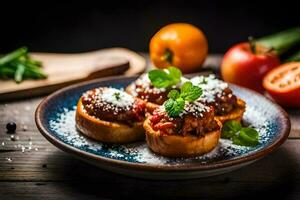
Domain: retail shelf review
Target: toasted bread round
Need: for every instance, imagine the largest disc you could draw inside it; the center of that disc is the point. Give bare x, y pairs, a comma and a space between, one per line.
236, 114
181, 146
104, 131
150, 107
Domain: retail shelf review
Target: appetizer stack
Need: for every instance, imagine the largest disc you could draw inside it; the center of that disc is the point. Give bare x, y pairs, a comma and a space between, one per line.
178, 116
110, 115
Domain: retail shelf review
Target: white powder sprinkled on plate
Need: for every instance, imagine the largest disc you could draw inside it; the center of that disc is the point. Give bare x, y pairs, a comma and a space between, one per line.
64, 128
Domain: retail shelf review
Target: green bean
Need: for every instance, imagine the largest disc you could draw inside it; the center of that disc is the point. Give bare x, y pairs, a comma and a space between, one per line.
13, 55
18, 65
6, 72
36, 72
19, 73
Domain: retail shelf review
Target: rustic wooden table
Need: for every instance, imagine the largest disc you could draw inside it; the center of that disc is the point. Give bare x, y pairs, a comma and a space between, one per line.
32, 168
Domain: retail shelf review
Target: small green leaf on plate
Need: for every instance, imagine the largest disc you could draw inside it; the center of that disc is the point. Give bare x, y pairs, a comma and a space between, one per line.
230, 128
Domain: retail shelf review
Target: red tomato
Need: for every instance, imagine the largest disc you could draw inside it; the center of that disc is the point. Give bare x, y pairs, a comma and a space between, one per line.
243, 67
283, 84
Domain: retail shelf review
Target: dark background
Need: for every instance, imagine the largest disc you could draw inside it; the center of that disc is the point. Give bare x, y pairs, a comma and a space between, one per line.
53, 26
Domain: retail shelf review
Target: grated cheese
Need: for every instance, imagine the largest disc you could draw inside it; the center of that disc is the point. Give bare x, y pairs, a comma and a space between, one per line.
110, 99
196, 108
211, 87
146, 86
123, 100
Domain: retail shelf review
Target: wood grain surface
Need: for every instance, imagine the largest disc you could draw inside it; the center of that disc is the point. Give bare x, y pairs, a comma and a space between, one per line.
65, 69
45, 172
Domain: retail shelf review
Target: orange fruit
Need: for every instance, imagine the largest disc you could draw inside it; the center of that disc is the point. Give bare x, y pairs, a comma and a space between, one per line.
181, 45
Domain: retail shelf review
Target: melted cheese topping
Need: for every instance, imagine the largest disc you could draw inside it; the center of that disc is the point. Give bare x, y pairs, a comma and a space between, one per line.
211, 87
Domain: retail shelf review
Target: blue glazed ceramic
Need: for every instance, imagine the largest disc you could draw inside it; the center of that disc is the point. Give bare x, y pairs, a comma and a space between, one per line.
55, 118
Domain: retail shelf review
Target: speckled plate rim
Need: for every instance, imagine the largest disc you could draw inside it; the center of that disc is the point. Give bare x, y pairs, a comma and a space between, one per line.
283, 135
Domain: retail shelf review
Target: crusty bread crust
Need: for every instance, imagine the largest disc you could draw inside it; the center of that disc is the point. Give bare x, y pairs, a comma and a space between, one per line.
104, 131
181, 146
130, 89
150, 107
236, 114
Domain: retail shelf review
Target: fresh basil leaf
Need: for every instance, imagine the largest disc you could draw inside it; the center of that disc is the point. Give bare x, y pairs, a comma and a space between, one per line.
159, 78
236, 140
189, 92
249, 136
173, 94
163, 79
175, 73
169, 104
230, 129
174, 107
239, 141
244, 136
186, 87
194, 94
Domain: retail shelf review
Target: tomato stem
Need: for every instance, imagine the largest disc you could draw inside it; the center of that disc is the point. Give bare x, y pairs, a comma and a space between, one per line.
252, 44
269, 50
168, 56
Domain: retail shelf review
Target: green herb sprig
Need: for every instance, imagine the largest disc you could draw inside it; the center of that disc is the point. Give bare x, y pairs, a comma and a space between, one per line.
117, 95
18, 65
243, 136
175, 104
164, 79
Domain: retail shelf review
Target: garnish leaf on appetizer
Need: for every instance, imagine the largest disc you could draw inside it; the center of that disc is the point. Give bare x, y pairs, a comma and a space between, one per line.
189, 92
243, 136
117, 95
174, 107
175, 104
173, 94
164, 79
175, 73
18, 65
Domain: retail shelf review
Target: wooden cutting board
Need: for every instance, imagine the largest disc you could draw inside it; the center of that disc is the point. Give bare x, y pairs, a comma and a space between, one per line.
65, 69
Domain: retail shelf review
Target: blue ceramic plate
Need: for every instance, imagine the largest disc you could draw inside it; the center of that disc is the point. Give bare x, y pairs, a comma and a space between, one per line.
55, 118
